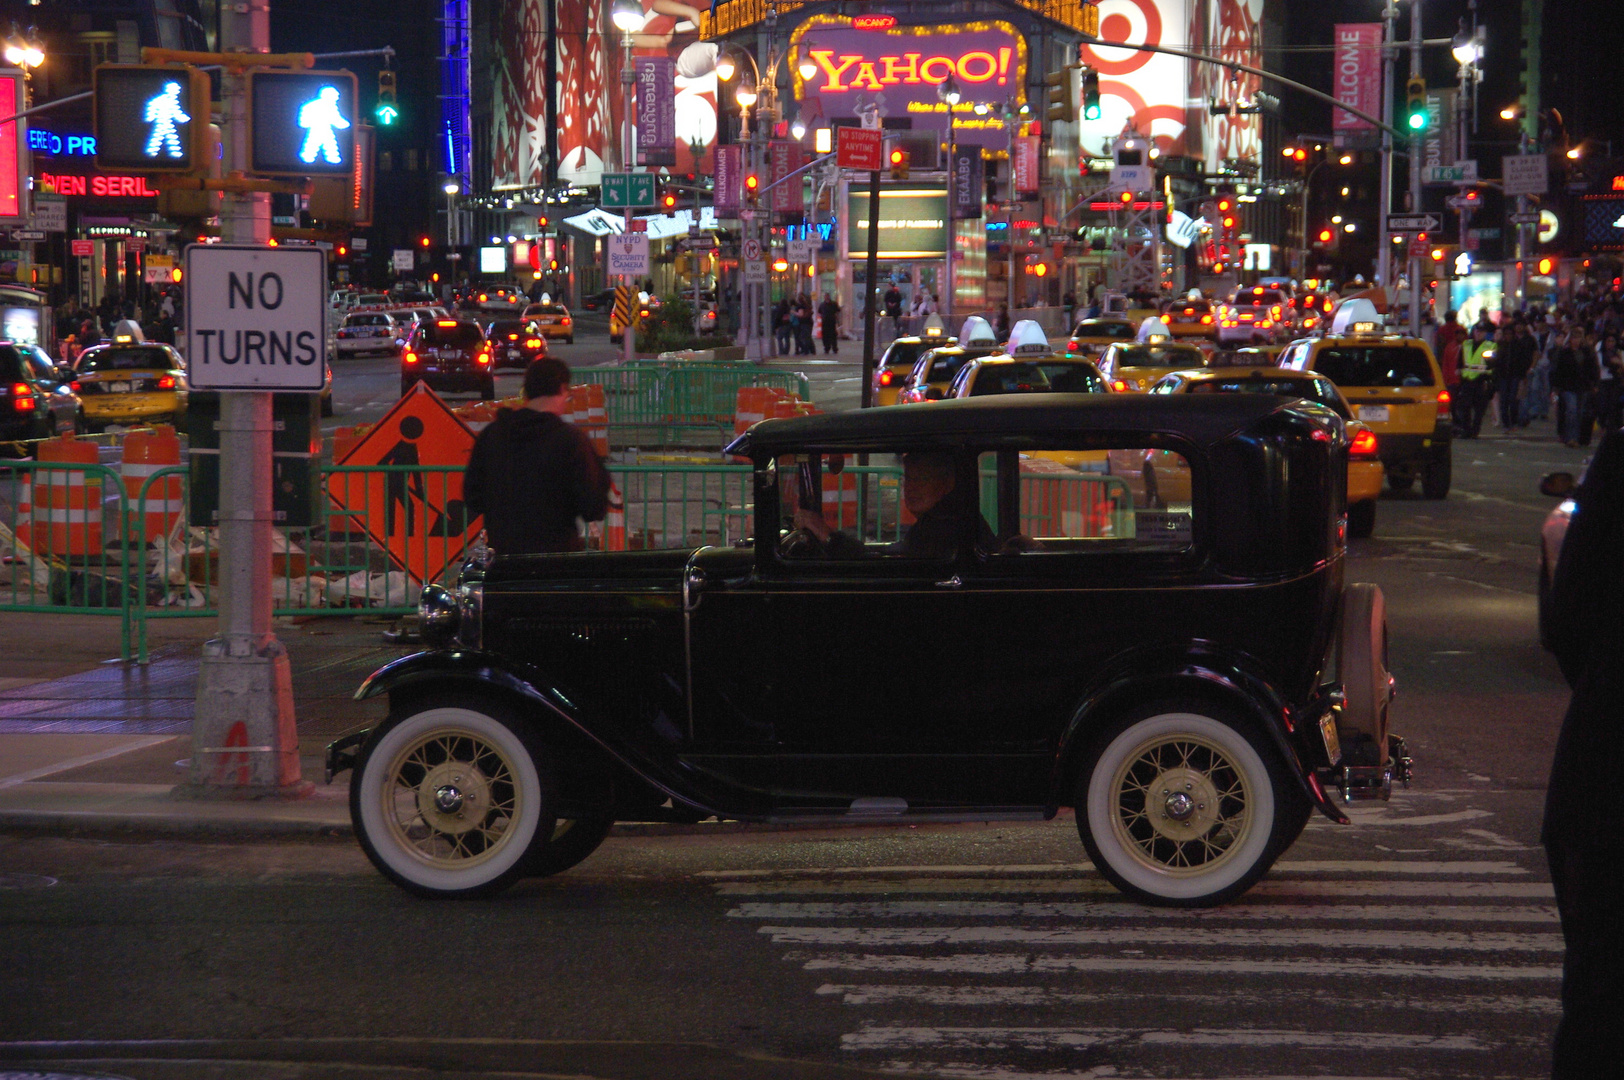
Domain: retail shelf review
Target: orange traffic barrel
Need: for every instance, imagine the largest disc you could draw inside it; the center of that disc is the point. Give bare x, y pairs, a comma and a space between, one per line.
614, 525
146, 452
597, 418
63, 515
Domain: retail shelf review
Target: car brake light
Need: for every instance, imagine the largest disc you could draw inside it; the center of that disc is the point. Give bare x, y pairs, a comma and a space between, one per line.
885, 378
1206, 319
166, 382
1275, 311
445, 322
566, 319
1443, 402
483, 358
411, 357
1364, 444
1119, 386
22, 397
532, 343
76, 386
513, 337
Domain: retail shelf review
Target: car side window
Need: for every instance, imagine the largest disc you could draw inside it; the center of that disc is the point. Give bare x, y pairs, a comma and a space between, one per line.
910, 507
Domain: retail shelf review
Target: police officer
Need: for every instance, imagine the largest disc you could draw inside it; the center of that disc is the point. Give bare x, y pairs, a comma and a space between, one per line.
1476, 386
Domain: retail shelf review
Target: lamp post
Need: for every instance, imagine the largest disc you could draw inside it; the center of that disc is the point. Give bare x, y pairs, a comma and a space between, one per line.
1011, 116
627, 15
1467, 48
948, 92
452, 188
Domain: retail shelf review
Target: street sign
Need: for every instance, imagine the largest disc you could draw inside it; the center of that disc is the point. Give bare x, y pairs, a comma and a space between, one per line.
1134, 178
82, 248
50, 213
627, 190
27, 236
1462, 201
860, 148
401, 260
159, 269
301, 123
419, 519
1414, 222
1526, 217
1525, 174
256, 317
1419, 248
755, 272
751, 250
1462, 172
628, 254
803, 251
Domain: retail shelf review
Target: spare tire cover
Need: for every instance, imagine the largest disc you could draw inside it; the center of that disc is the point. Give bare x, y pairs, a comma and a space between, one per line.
1362, 664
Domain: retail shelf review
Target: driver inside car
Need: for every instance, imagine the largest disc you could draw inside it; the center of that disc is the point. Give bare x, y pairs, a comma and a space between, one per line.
938, 503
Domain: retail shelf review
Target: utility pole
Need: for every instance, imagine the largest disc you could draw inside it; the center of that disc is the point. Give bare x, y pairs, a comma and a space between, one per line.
244, 741
628, 78
1384, 248
1415, 172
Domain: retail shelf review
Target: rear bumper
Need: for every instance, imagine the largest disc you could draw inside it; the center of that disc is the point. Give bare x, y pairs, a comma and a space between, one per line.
1365, 480
1406, 454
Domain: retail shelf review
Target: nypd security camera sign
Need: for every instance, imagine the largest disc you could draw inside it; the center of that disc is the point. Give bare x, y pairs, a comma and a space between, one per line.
255, 317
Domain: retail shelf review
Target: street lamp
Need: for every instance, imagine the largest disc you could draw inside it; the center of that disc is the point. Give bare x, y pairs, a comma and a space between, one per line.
949, 93
628, 18
24, 52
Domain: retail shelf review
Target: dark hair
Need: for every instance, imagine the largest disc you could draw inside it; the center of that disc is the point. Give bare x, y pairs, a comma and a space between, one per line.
545, 376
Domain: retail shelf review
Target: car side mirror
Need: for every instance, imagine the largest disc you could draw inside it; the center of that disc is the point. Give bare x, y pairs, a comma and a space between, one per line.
1558, 485
934, 394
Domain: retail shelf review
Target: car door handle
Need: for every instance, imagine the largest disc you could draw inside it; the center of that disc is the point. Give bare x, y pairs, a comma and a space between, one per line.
954, 582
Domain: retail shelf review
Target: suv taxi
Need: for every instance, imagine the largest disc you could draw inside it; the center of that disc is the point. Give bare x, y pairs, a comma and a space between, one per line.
1205, 679
1394, 385
1191, 318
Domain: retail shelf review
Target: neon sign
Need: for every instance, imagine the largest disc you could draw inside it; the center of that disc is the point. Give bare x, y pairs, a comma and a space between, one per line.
1618, 183
909, 69
107, 187
45, 141
873, 22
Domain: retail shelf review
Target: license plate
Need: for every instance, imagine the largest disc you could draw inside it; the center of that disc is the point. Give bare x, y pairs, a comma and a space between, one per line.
1373, 414
118, 388
514, 354
1333, 746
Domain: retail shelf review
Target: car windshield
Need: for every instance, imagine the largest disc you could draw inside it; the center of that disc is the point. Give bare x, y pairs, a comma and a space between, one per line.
137, 358
1067, 378
902, 352
1319, 390
944, 365
366, 320
465, 334
1092, 329
1160, 356
1374, 365
1021, 377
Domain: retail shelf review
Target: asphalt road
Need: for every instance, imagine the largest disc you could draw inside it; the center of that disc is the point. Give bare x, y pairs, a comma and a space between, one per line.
1419, 942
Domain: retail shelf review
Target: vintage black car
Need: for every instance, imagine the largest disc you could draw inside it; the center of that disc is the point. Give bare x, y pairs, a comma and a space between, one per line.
982, 633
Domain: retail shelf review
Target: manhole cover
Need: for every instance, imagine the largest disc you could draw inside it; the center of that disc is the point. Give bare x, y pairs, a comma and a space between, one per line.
24, 881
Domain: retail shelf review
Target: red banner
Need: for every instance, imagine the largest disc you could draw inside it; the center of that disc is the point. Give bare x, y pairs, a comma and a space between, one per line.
783, 158
729, 179
1025, 165
1357, 74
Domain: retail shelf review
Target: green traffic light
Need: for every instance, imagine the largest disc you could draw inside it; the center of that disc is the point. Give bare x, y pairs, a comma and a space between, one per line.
386, 114
1091, 112
1418, 121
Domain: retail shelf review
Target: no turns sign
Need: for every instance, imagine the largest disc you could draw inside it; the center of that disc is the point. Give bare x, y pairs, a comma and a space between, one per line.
255, 317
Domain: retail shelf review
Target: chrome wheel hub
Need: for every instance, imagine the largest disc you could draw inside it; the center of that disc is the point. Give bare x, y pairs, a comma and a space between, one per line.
453, 797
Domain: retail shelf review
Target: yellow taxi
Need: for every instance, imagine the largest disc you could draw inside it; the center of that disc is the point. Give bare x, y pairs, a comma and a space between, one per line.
1133, 367
1365, 470
933, 373
1394, 385
1092, 336
1192, 318
129, 382
553, 320
901, 355
1029, 366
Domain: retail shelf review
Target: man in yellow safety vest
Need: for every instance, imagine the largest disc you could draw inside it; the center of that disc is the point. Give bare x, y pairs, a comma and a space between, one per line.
1476, 388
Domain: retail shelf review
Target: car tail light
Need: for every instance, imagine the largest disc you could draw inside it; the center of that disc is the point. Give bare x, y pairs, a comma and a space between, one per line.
483, 358
566, 319
166, 382
532, 343
411, 357
1119, 386
76, 386
1443, 402
1275, 311
1364, 444
22, 397
1206, 320
885, 378
513, 337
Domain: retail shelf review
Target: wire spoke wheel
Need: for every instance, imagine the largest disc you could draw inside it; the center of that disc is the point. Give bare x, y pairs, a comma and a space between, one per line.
453, 797
1181, 804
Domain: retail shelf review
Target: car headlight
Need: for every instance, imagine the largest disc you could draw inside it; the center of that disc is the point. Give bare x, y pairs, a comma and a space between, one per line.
439, 615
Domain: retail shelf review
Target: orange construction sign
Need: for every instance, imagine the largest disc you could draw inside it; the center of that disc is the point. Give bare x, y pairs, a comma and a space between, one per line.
416, 514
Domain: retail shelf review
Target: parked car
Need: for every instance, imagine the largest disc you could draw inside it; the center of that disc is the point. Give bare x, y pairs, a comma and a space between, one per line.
35, 402
370, 332
139, 382
1203, 681
451, 355
515, 342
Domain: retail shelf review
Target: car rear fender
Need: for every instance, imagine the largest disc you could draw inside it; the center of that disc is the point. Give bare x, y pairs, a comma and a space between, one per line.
473, 674
1142, 677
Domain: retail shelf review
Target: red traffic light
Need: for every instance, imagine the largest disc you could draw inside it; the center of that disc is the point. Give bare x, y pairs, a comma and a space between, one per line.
1325, 236
1126, 197
898, 156
1229, 223
423, 241
669, 200
1225, 204
752, 183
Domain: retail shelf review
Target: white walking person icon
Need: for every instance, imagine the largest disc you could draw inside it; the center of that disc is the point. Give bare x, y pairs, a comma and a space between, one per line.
163, 113
320, 117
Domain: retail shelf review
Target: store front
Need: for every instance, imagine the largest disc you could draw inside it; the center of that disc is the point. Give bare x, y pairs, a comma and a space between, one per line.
112, 226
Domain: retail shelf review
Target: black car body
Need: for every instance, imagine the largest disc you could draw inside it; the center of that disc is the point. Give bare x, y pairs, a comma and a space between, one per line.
451, 355
515, 342
34, 401
1162, 667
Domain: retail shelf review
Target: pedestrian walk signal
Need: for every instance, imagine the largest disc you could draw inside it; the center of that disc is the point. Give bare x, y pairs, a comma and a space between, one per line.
301, 123
151, 118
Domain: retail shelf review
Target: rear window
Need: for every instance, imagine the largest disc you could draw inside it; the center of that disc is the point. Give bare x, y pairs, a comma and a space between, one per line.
1073, 378
1374, 365
11, 364
1017, 378
1258, 297
1193, 307
943, 366
464, 334
1159, 356
1318, 390
546, 309
1104, 330
902, 352
140, 358
508, 326
366, 320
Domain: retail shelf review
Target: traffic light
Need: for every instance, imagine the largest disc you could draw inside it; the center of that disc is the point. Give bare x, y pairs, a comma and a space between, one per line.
1326, 236
668, 201
1415, 105
1091, 94
151, 119
752, 187
1062, 104
899, 164
386, 111
423, 241
542, 221
301, 123
1546, 265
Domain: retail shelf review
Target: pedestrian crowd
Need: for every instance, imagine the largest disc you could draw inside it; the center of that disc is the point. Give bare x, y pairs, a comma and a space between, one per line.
1565, 358
798, 324
79, 326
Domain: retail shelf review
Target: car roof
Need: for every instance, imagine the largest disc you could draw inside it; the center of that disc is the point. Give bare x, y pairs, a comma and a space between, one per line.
1202, 418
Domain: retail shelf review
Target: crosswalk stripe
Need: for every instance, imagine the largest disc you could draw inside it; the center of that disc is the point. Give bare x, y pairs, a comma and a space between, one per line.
965, 1070
1285, 866
1180, 937
903, 1038
1008, 909
1028, 963
1505, 890
1242, 998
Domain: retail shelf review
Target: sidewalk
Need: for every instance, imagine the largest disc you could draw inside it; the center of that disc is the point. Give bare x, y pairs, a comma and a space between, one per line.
92, 744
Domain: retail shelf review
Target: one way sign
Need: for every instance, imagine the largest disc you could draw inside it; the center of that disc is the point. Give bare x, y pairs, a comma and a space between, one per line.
256, 317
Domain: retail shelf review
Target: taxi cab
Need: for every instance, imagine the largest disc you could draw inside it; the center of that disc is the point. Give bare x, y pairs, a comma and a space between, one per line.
902, 354
1092, 336
131, 381
553, 320
1135, 366
1191, 318
1394, 385
1027, 366
1365, 470
933, 373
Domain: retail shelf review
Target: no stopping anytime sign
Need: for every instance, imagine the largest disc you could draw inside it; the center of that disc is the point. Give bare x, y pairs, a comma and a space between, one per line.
255, 317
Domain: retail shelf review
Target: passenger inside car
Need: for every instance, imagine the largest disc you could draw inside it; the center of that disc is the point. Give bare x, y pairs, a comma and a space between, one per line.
932, 494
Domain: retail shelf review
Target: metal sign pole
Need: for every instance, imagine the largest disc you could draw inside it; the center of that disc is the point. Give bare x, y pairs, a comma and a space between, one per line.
243, 737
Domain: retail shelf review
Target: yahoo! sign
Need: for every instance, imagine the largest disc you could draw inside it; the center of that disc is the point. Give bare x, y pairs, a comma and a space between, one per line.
904, 66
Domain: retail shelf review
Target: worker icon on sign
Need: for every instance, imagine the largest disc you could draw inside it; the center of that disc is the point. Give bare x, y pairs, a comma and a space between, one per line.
164, 113
320, 117
401, 486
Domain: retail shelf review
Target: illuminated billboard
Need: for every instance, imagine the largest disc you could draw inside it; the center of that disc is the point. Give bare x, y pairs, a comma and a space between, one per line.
912, 225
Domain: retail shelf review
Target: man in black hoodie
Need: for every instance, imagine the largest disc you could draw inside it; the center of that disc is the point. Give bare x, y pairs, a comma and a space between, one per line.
532, 474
